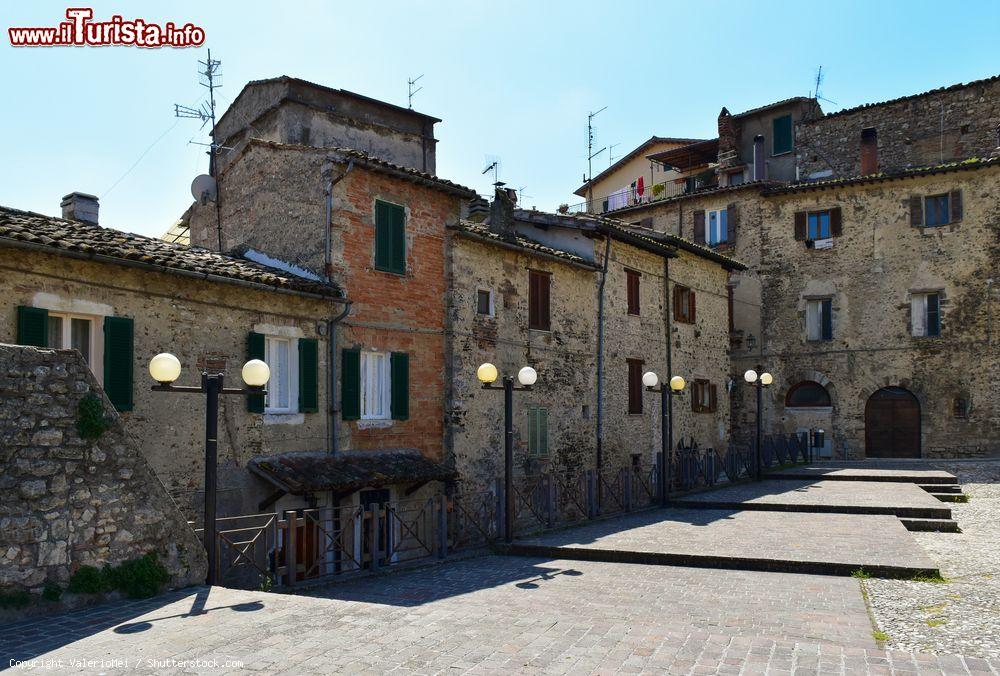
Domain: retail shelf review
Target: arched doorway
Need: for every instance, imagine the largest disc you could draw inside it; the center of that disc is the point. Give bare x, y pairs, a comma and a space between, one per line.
892, 424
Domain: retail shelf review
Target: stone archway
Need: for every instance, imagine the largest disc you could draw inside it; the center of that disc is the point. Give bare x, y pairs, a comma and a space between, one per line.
892, 424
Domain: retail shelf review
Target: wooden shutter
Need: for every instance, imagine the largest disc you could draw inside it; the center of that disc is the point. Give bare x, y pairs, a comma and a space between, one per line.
32, 326
696, 395
801, 218
916, 211
826, 314
782, 130
543, 431
119, 359
691, 307
713, 397
836, 225
678, 313
699, 226
632, 291
350, 384
256, 350
400, 368
390, 237
308, 375
933, 314
538, 300
731, 218
634, 385
956, 205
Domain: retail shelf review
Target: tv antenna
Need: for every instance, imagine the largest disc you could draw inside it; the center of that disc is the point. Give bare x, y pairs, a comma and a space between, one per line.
819, 81
521, 195
590, 143
412, 92
211, 79
611, 157
493, 164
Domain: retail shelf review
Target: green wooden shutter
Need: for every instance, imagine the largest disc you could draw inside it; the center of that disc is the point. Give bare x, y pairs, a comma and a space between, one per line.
390, 237
782, 139
308, 375
543, 431
532, 430
400, 404
350, 384
119, 360
32, 326
255, 350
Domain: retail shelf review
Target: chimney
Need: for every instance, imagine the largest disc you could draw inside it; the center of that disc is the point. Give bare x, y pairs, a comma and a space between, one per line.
728, 140
477, 209
79, 206
502, 213
869, 151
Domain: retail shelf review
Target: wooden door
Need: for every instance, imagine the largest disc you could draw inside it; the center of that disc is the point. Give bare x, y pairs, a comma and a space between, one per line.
892, 424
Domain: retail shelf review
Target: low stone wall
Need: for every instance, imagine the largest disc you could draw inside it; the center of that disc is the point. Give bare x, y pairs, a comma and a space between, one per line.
67, 501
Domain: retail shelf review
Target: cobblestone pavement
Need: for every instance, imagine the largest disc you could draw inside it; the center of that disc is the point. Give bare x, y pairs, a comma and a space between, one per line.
962, 615
491, 615
855, 540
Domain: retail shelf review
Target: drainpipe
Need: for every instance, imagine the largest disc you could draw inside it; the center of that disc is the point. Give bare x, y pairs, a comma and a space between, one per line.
331, 325
667, 309
599, 460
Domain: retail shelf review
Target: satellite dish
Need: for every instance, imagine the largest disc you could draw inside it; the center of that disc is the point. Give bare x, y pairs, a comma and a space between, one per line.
204, 189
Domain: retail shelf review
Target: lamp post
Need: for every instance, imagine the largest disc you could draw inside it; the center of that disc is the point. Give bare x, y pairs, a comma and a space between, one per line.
165, 368
487, 374
667, 393
758, 382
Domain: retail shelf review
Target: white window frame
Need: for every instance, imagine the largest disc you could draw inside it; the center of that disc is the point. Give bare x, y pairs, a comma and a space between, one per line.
918, 314
376, 385
492, 311
95, 360
270, 343
721, 221
814, 319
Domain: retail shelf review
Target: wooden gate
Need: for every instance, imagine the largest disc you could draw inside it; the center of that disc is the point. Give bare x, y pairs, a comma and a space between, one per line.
892, 424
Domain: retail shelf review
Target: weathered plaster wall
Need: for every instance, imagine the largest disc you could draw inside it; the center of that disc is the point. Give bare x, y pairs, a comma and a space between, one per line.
67, 501
192, 319
924, 130
869, 273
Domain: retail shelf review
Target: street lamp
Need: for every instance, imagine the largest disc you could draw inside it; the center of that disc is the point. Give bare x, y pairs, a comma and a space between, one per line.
758, 382
667, 394
487, 374
165, 368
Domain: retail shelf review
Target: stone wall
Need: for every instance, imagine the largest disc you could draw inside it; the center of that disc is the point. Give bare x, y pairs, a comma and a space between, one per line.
925, 129
870, 273
195, 320
67, 501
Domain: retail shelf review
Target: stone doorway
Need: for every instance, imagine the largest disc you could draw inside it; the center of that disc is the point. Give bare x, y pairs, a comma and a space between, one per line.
892, 424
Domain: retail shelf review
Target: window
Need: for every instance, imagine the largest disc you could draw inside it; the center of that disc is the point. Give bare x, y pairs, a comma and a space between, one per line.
736, 178
484, 302
807, 394
782, 140
390, 237
279, 387
634, 386
704, 397
718, 227
538, 300
936, 210
632, 291
72, 331
925, 314
684, 310
813, 226
819, 225
819, 319
375, 386
960, 407
538, 431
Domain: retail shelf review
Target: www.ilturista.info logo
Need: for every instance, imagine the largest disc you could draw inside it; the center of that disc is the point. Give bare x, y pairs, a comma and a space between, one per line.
81, 31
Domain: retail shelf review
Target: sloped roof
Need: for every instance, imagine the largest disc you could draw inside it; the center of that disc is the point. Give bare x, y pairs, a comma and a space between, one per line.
776, 104
481, 231
909, 97
641, 148
106, 245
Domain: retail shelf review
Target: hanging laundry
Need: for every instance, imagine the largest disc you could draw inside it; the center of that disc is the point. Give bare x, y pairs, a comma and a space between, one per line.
640, 187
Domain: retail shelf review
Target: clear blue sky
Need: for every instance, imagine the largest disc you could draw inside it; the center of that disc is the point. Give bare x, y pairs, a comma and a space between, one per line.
513, 79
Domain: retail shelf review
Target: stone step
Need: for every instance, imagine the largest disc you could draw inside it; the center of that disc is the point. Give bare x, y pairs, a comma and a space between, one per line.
941, 488
931, 525
918, 512
950, 497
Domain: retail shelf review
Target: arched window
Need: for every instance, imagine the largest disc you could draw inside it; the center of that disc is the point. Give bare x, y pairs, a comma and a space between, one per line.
807, 394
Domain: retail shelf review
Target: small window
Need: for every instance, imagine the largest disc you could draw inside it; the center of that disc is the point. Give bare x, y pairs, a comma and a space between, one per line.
782, 138
71, 331
684, 305
807, 394
632, 291
375, 386
634, 386
390, 237
925, 315
819, 225
538, 300
279, 386
819, 319
960, 407
484, 302
718, 227
937, 210
538, 431
703, 396
736, 178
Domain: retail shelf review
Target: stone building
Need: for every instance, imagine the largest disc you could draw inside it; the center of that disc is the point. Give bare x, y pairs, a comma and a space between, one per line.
119, 299
584, 301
